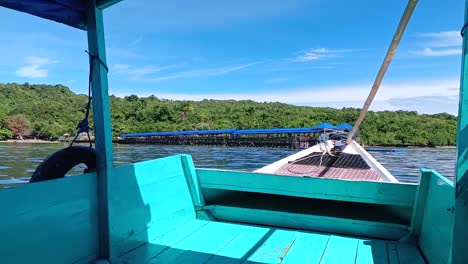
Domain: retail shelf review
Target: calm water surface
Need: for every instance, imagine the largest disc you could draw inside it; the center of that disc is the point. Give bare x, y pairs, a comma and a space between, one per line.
18, 161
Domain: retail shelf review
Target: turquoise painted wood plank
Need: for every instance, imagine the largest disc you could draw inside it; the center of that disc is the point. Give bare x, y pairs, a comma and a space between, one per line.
204, 215
340, 250
307, 248
371, 252
157, 246
420, 202
102, 121
392, 253
436, 236
50, 222
409, 254
239, 248
275, 248
308, 222
460, 230
150, 198
332, 189
192, 180
201, 245
204, 248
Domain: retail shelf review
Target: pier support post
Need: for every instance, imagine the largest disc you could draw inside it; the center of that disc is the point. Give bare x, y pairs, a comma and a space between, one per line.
102, 121
460, 232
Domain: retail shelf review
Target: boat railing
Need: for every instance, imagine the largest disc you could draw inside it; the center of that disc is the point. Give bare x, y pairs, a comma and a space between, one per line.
149, 198
433, 216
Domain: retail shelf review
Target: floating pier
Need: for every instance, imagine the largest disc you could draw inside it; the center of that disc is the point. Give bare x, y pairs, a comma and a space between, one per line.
272, 138
384, 150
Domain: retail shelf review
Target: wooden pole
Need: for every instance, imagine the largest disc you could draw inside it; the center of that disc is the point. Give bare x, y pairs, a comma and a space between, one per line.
383, 68
460, 229
102, 121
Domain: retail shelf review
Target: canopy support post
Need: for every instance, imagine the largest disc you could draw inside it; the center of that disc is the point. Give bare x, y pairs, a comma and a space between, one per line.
460, 229
102, 121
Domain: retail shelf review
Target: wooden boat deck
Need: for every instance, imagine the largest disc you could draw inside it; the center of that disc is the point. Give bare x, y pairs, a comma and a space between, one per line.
345, 167
200, 241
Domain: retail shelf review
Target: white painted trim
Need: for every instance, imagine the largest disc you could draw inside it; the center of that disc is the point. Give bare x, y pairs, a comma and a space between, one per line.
271, 168
355, 148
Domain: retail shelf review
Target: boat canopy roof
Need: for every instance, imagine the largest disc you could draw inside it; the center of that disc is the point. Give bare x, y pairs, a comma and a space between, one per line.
314, 129
68, 12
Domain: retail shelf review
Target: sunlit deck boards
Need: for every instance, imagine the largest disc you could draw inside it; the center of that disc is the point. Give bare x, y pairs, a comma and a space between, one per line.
345, 167
201, 241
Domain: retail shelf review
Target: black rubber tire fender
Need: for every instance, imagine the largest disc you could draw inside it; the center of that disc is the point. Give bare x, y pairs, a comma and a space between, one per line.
62, 161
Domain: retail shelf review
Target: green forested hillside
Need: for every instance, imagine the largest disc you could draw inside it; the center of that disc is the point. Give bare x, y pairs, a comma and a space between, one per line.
55, 110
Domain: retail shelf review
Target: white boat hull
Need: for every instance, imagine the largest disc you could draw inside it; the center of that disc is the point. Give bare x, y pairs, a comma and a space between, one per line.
353, 148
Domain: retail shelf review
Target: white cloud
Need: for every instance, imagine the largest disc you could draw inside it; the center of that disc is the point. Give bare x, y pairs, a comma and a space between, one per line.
392, 96
428, 104
136, 41
34, 67
150, 73
276, 80
120, 67
32, 71
443, 38
322, 53
429, 52
146, 70
438, 44
136, 73
202, 72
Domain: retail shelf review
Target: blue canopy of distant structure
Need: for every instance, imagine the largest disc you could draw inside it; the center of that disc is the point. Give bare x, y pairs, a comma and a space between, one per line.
274, 131
323, 126
181, 133
344, 126
314, 129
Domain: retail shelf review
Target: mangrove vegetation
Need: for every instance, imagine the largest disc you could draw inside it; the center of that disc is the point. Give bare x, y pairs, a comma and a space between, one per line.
50, 111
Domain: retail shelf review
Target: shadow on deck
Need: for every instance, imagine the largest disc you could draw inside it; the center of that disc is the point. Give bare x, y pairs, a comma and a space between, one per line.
202, 241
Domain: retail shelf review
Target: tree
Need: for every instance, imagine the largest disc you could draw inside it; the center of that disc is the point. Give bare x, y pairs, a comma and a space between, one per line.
5, 134
54, 110
19, 125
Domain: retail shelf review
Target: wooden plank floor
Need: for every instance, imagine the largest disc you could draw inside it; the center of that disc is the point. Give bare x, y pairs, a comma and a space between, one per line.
201, 241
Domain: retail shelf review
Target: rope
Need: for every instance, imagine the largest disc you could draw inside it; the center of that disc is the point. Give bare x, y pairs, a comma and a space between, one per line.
462, 31
83, 125
304, 158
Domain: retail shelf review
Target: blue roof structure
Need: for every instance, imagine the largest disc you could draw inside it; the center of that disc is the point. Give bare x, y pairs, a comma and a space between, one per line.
273, 131
314, 129
323, 126
344, 126
181, 133
68, 12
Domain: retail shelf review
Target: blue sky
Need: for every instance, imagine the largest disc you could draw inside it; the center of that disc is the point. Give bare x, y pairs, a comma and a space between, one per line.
303, 52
